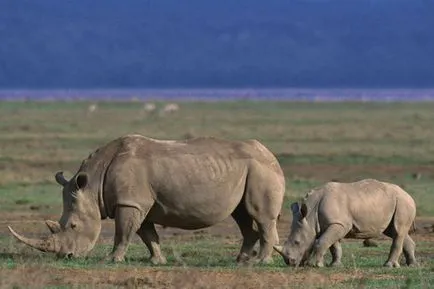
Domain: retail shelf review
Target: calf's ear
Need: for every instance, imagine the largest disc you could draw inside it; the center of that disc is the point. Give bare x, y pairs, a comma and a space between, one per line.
303, 210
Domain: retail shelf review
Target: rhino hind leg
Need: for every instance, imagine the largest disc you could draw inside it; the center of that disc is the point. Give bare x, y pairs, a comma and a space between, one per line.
149, 236
127, 222
408, 249
401, 243
250, 235
267, 239
395, 252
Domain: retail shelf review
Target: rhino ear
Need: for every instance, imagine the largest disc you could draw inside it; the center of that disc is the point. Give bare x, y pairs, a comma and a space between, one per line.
303, 210
60, 179
81, 180
295, 208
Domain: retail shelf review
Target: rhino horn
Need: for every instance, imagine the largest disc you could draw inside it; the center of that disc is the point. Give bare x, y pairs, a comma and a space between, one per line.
53, 226
47, 245
279, 249
60, 179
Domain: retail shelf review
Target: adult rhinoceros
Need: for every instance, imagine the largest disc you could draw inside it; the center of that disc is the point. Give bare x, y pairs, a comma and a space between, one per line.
188, 184
361, 210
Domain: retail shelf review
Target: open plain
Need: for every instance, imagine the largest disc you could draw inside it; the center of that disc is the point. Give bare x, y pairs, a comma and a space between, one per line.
315, 142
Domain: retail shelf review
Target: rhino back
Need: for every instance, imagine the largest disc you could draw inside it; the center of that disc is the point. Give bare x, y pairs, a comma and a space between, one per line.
367, 206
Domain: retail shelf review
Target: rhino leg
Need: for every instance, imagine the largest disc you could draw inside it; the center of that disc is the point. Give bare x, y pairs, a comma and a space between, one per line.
395, 251
332, 235
267, 239
250, 235
127, 222
400, 242
409, 247
370, 243
336, 251
149, 236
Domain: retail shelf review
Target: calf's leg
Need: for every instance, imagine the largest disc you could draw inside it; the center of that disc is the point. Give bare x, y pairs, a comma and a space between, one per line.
336, 251
397, 245
395, 251
409, 248
333, 234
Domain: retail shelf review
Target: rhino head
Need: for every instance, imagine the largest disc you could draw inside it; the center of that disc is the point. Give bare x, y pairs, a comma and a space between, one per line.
79, 227
297, 248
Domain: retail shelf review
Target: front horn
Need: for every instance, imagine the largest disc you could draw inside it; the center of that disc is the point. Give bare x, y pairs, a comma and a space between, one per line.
60, 179
47, 245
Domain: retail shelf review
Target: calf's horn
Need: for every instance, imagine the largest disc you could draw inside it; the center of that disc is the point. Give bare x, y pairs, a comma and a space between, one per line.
279, 249
47, 245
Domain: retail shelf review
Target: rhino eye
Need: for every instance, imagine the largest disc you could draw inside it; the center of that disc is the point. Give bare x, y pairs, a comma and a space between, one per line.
73, 226
296, 242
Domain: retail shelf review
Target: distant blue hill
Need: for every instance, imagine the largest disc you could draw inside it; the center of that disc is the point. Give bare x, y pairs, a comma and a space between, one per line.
204, 43
317, 95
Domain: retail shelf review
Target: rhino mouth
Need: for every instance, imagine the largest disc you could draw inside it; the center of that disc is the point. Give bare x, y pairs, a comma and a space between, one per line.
282, 252
293, 262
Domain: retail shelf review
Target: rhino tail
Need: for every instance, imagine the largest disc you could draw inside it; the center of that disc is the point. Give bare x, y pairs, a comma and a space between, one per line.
413, 228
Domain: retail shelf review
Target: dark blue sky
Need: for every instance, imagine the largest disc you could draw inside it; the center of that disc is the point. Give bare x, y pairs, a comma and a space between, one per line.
204, 43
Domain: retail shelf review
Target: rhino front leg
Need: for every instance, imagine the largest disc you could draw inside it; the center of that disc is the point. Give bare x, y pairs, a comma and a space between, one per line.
127, 222
333, 234
336, 251
149, 236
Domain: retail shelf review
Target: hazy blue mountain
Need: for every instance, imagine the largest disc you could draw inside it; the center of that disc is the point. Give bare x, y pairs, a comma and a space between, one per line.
219, 43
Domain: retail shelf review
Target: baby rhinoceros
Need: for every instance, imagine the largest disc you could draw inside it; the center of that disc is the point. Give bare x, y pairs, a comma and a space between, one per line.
360, 210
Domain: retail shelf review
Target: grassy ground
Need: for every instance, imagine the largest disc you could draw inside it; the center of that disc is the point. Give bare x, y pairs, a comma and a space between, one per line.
315, 142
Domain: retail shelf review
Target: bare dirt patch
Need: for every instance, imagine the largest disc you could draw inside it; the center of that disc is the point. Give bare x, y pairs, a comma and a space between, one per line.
171, 278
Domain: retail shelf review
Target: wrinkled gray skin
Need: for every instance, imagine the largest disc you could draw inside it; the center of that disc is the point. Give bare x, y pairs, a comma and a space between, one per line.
360, 210
188, 184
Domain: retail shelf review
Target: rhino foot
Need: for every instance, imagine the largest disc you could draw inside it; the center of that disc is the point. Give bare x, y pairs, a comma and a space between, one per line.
336, 264
245, 258
158, 260
413, 265
112, 259
391, 264
256, 260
